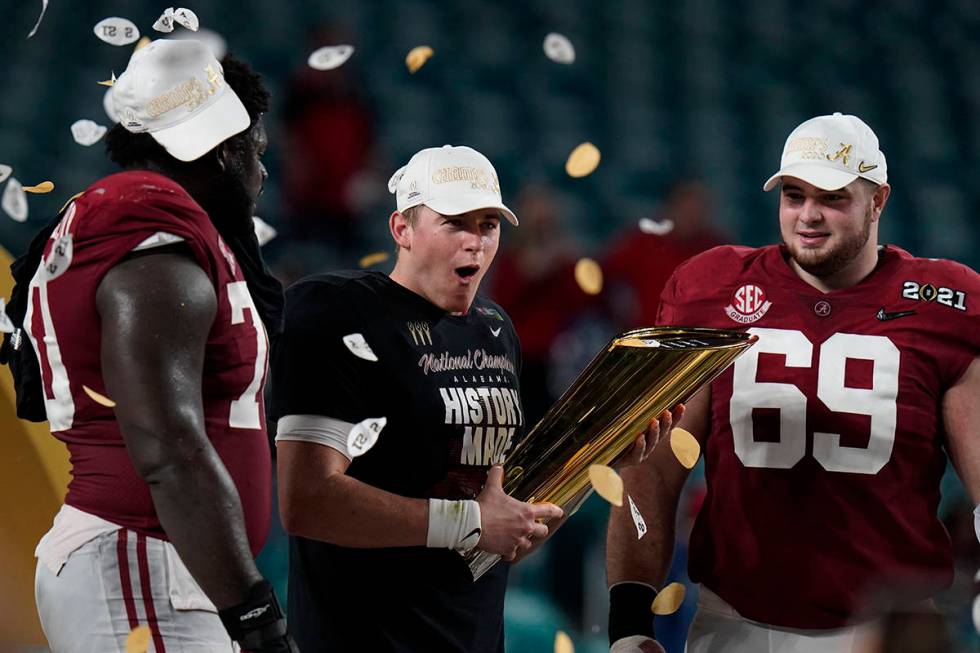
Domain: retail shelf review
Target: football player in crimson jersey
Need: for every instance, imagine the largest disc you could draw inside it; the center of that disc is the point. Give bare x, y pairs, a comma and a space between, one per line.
825, 443
143, 290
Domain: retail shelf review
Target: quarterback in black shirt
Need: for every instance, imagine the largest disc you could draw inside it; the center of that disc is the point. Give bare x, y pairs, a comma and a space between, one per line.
394, 396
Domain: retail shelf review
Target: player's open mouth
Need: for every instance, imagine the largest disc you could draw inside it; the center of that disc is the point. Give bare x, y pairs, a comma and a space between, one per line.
467, 272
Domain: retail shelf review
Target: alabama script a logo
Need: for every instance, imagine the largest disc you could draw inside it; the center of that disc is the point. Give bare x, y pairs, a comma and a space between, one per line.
749, 303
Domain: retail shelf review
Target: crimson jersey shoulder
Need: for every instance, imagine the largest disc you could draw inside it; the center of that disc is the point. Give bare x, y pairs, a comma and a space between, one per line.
941, 273
138, 201
703, 274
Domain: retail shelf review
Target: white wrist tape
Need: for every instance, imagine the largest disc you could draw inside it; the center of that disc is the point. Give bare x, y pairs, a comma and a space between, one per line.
453, 524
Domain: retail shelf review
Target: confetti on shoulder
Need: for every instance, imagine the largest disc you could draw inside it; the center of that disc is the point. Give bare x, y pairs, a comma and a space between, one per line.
98, 398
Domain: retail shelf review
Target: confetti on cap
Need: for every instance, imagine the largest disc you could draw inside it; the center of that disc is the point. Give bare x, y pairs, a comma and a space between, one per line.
165, 23
563, 643
117, 31
607, 483
44, 8
417, 57
264, 232
187, 19
641, 526
359, 347
142, 43
685, 447
40, 189
372, 259
6, 325
364, 435
330, 57
559, 49
656, 227
669, 599
138, 640
14, 202
5, 171
97, 398
583, 160
588, 275
87, 132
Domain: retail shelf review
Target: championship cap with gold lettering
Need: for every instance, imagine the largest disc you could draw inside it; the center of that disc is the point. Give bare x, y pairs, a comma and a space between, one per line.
830, 152
175, 90
449, 180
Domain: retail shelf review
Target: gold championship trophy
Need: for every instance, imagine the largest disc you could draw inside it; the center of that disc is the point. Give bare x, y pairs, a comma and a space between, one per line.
636, 377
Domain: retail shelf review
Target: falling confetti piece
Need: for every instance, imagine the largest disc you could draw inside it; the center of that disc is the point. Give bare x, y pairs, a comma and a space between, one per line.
685, 447
187, 19
87, 132
6, 325
138, 640
563, 643
669, 599
142, 43
364, 435
655, 227
588, 275
102, 400
40, 189
607, 483
583, 160
5, 172
14, 200
359, 347
116, 31
417, 57
109, 82
330, 57
264, 232
372, 259
44, 8
641, 526
559, 49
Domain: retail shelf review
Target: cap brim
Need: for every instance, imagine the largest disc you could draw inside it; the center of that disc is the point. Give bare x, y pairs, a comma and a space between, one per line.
823, 177
195, 137
450, 207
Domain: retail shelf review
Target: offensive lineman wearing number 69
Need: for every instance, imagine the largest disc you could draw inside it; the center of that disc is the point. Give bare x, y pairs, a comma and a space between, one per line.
826, 442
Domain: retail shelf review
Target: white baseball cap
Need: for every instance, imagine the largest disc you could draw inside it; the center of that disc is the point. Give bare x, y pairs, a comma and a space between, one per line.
449, 180
175, 90
830, 152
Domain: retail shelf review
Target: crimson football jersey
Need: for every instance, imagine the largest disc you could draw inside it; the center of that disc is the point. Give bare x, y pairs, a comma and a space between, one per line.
113, 217
825, 452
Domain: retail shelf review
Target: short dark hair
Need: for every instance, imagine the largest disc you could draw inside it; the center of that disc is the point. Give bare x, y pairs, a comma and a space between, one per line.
131, 150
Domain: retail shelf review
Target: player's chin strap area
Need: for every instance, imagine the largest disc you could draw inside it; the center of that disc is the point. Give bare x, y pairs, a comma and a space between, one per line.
453, 525
630, 618
258, 624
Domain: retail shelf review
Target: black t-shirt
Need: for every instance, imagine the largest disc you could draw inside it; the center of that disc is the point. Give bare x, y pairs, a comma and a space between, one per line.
448, 387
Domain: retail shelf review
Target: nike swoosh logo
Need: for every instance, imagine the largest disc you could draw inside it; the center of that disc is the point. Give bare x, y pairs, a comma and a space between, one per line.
495, 332
475, 531
884, 317
863, 168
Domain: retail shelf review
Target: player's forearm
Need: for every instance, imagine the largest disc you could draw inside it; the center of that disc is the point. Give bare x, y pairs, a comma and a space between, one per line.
345, 511
200, 511
647, 559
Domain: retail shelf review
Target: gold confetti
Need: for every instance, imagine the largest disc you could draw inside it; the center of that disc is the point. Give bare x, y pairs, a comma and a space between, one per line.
563, 643
138, 640
417, 57
669, 599
43, 187
372, 259
685, 447
588, 275
142, 43
70, 200
97, 398
109, 82
607, 483
583, 160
